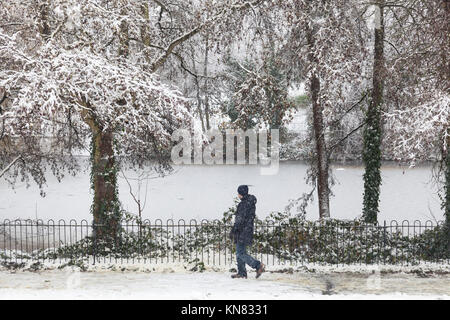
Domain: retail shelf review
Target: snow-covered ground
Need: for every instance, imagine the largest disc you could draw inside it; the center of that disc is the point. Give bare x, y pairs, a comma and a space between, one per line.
174, 283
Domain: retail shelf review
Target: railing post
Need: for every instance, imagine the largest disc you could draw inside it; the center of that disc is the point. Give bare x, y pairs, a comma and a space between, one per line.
384, 242
94, 234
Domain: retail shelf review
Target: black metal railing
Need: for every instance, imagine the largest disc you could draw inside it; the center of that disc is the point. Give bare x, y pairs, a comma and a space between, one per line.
207, 242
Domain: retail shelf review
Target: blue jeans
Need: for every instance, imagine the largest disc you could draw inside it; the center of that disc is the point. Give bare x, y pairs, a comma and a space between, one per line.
243, 258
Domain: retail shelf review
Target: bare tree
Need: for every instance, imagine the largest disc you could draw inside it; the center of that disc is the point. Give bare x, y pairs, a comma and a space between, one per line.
417, 90
328, 51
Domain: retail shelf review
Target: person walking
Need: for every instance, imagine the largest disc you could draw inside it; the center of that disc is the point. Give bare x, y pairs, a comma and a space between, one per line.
242, 233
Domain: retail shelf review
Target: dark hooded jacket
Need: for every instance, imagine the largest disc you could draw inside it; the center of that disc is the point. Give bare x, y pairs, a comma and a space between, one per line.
242, 230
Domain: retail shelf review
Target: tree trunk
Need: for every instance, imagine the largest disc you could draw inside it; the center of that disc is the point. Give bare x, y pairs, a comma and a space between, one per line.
447, 194
447, 154
105, 207
43, 25
372, 133
124, 40
197, 85
199, 105
145, 35
205, 73
145, 32
323, 191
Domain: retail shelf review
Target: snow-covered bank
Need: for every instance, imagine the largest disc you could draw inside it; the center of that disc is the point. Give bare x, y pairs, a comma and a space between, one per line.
214, 263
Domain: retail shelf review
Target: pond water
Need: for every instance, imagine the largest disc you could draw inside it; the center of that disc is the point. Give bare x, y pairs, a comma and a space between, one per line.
205, 192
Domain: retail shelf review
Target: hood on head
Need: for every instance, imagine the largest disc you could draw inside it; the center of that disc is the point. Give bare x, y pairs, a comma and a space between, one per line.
250, 198
243, 190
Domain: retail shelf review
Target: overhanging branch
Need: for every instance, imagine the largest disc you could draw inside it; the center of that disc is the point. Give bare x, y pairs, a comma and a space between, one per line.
169, 49
330, 150
10, 165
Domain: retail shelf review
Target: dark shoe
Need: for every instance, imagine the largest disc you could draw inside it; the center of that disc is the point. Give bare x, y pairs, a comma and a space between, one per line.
260, 270
238, 276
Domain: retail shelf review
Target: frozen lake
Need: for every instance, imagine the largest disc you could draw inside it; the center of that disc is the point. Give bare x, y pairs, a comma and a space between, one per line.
205, 192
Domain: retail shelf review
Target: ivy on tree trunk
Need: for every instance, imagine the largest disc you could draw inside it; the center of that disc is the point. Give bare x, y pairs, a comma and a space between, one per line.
106, 205
372, 133
447, 197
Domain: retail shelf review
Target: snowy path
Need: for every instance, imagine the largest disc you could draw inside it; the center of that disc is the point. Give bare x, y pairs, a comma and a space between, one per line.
64, 284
